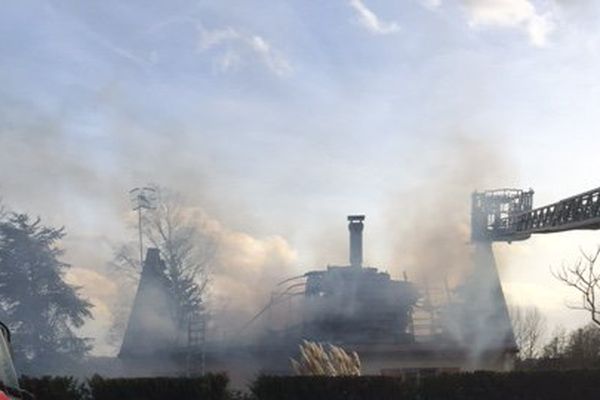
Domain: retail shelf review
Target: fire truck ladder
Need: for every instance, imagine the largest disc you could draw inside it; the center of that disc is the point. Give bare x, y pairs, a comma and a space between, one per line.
507, 215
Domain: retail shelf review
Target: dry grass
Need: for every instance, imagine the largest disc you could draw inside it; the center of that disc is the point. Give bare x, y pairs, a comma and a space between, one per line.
316, 360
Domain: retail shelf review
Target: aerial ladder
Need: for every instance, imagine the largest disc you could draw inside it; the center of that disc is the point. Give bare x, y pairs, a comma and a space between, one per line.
507, 215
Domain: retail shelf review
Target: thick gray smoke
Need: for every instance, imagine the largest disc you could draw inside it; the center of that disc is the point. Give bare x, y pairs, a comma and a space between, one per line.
241, 270
432, 242
429, 221
46, 170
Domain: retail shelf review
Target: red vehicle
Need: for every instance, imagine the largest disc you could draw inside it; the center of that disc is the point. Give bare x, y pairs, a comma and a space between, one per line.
9, 382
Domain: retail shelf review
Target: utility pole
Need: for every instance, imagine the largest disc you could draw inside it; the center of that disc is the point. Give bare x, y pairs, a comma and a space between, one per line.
142, 199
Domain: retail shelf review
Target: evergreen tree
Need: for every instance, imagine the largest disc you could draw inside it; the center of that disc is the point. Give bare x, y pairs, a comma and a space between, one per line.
40, 307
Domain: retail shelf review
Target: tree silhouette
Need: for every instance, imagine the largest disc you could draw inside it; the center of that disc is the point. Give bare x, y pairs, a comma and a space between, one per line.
35, 301
529, 327
584, 277
188, 247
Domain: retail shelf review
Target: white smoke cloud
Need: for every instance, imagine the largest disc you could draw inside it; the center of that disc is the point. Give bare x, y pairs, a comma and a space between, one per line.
243, 272
370, 21
101, 291
430, 233
248, 268
246, 271
431, 220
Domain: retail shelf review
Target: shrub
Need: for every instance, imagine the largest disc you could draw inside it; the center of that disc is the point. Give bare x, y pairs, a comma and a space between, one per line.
55, 388
330, 388
545, 385
209, 387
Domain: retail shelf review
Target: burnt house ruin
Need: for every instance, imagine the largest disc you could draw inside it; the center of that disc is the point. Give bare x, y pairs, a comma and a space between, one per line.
392, 324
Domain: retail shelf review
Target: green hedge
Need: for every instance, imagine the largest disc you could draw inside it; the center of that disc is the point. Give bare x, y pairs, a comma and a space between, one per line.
547, 385
543, 385
209, 387
331, 388
55, 388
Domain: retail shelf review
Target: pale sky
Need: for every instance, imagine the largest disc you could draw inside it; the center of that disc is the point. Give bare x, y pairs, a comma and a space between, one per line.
280, 118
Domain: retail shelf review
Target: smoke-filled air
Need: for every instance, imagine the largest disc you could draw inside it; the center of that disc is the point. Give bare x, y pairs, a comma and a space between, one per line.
225, 195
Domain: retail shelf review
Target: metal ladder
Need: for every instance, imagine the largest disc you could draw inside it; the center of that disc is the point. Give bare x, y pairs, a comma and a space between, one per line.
196, 342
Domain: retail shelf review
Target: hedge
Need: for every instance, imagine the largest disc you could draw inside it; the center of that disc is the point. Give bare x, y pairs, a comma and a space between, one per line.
331, 388
540, 385
209, 387
55, 388
547, 385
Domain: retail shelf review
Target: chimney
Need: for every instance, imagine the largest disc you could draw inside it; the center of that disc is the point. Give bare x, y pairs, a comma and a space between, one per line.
356, 227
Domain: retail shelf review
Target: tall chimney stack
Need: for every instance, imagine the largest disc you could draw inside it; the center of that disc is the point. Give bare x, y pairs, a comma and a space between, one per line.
355, 227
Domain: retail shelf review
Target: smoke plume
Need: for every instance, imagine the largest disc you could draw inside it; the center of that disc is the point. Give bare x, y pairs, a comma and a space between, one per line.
458, 279
430, 224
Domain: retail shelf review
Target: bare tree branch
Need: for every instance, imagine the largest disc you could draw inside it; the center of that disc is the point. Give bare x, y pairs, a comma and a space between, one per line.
187, 246
529, 327
126, 262
584, 277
